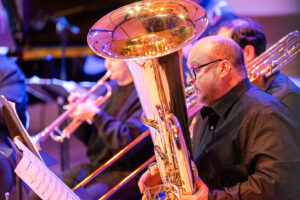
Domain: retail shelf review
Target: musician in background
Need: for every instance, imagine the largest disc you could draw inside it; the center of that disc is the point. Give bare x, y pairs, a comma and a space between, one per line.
12, 86
251, 38
112, 126
244, 141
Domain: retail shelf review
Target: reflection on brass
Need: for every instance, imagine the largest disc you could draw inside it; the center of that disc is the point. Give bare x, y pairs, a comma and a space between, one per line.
149, 122
147, 29
275, 57
153, 43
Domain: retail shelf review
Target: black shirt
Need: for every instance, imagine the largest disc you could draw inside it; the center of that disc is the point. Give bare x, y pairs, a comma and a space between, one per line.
115, 126
282, 88
248, 149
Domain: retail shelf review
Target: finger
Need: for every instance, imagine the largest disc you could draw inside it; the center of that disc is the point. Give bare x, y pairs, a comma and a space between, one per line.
154, 170
74, 97
89, 121
203, 190
198, 182
75, 115
187, 197
144, 197
141, 182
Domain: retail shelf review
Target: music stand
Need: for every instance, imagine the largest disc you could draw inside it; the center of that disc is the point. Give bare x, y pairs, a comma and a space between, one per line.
15, 126
17, 130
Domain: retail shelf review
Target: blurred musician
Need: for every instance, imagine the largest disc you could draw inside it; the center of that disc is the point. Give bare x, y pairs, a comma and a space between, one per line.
112, 126
243, 143
251, 38
12, 86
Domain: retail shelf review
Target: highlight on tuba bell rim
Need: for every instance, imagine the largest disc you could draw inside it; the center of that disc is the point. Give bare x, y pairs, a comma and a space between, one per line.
149, 36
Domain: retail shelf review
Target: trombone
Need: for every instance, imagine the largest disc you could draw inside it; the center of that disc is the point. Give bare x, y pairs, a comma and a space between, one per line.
275, 57
53, 129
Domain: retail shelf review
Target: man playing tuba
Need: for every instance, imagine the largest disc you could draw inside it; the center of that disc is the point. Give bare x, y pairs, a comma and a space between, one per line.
243, 143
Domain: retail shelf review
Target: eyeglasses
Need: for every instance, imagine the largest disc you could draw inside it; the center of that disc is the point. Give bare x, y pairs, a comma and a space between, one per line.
192, 72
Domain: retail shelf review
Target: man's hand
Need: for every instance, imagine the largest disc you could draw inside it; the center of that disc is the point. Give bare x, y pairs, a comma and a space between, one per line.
201, 194
261, 82
152, 178
149, 178
73, 97
84, 111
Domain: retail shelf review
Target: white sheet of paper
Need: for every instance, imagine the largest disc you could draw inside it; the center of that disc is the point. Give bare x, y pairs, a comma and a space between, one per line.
40, 179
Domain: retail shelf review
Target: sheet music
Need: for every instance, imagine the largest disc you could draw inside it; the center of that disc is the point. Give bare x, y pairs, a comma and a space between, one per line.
40, 179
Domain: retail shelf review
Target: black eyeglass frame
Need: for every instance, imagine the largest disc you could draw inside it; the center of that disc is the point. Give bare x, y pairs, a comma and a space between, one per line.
192, 72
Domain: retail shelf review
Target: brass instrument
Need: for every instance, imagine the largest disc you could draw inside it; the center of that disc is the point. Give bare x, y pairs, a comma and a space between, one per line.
149, 35
275, 57
53, 129
191, 96
192, 104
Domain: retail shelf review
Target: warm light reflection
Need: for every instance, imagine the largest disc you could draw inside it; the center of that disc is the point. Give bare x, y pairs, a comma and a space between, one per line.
130, 11
153, 43
161, 15
137, 8
181, 16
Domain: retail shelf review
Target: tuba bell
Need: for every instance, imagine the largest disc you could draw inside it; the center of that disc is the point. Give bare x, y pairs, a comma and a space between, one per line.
149, 36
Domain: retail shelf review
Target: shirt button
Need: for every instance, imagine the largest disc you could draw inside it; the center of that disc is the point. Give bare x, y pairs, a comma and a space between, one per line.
206, 150
211, 127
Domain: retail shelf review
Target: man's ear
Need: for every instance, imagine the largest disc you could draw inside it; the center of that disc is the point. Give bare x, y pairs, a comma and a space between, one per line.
249, 53
224, 68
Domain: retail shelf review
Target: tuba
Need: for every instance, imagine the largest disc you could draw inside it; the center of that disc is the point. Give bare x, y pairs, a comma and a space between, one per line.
149, 36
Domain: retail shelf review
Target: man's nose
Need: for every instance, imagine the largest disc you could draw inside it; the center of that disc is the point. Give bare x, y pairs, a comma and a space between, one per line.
189, 80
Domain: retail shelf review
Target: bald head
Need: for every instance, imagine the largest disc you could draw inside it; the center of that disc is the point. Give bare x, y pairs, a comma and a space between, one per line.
217, 47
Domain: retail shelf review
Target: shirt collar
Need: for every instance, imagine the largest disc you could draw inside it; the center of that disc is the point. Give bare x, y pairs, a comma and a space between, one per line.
207, 111
225, 102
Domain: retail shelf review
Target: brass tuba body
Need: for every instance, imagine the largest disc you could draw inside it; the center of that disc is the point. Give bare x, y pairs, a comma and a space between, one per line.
149, 36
